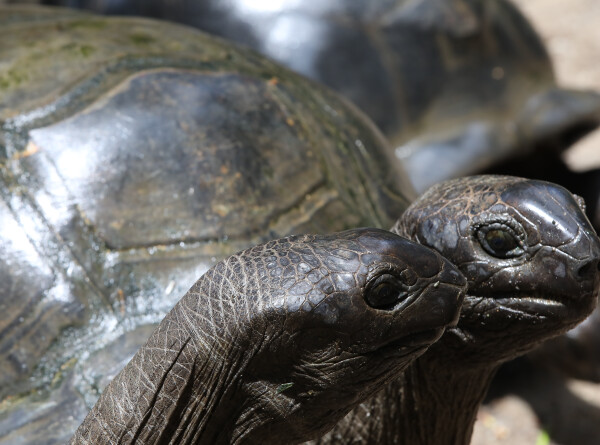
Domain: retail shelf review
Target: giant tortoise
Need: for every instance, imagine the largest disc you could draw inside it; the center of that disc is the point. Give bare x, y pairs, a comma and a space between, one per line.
531, 259
465, 85
459, 87
459, 84
276, 343
532, 263
135, 155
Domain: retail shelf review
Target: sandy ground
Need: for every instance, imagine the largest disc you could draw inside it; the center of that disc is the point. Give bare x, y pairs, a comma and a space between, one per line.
539, 407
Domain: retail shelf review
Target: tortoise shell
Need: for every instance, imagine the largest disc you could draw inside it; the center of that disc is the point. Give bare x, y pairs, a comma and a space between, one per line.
133, 155
458, 86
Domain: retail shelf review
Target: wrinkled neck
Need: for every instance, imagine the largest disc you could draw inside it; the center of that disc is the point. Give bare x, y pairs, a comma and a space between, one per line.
185, 384
178, 388
434, 402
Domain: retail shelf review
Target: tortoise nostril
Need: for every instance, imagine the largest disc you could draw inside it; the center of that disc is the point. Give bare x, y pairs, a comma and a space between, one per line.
589, 269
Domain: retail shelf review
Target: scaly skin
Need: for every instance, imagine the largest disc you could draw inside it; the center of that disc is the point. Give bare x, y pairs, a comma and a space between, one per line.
277, 343
544, 286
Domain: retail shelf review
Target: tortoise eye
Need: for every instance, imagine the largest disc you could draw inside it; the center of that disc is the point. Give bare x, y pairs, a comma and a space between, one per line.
386, 292
499, 241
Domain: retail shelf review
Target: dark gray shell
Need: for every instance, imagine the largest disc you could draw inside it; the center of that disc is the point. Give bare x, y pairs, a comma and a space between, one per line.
133, 155
456, 85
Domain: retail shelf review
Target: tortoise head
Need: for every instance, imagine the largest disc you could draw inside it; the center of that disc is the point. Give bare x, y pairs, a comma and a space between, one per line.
350, 310
282, 340
527, 249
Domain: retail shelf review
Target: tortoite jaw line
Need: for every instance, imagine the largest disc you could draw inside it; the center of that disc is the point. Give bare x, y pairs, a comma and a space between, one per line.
409, 344
530, 307
525, 304
532, 299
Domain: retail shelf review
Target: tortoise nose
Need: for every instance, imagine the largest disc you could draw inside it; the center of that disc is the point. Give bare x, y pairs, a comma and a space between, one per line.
589, 269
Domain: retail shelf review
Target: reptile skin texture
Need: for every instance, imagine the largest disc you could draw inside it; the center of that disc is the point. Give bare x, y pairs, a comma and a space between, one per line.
531, 260
277, 343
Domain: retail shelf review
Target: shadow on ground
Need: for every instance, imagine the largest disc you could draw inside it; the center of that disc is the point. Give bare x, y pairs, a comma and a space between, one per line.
568, 418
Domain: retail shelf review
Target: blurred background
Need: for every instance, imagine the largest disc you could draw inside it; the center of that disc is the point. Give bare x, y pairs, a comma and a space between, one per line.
572, 36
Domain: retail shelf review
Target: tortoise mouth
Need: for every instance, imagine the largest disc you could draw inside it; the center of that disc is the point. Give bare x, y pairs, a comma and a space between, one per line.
531, 304
410, 344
